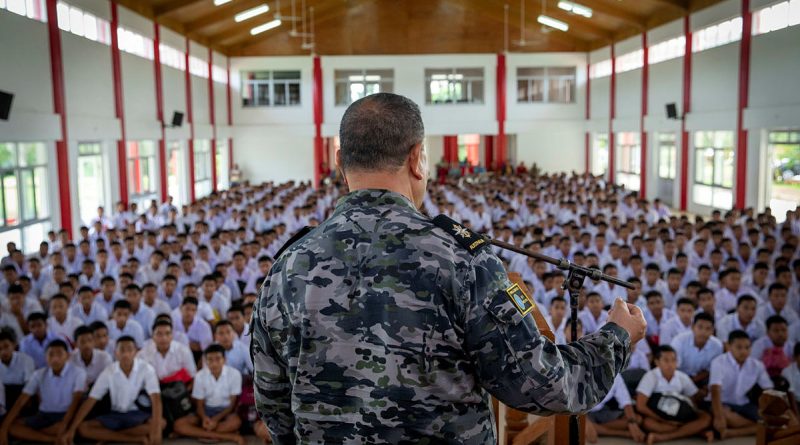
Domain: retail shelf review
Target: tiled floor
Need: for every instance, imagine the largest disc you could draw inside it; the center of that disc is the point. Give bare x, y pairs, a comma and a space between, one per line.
698, 441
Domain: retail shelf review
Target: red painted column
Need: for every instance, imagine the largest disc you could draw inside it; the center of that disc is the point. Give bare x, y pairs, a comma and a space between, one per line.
162, 143
317, 97
500, 152
687, 105
587, 142
643, 137
212, 120
744, 94
190, 122
612, 146
119, 105
488, 151
230, 119
60, 108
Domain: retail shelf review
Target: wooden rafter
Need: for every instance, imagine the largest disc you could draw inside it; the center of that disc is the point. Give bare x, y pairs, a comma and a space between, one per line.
682, 5
223, 13
173, 6
616, 13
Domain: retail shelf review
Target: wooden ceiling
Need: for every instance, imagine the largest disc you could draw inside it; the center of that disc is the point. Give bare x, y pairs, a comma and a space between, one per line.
360, 27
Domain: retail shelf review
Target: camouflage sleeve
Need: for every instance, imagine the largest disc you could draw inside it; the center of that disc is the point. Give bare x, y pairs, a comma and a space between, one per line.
522, 368
273, 392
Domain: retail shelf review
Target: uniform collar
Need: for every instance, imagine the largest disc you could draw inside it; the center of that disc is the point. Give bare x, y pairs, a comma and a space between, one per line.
374, 198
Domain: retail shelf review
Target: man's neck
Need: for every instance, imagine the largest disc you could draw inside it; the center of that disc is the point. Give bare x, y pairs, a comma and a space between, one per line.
87, 356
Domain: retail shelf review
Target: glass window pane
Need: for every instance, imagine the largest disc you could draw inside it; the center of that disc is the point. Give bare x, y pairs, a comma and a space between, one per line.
34, 234
28, 195
10, 198
40, 186
527, 72
8, 155
522, 90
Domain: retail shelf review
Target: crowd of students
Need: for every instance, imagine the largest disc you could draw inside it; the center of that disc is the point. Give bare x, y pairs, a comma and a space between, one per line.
114, 332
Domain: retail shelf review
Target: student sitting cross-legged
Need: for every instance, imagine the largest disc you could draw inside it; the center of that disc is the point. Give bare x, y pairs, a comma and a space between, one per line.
216, 391
663, 399
128, 422
60, 386
733, 376
604, 420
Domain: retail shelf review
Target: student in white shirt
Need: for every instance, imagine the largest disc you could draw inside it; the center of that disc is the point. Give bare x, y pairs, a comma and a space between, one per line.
16, 368
656, 315
733, 375
774, 350
87, 310
557, 319
102, 341
167, 356
85, 356
685, 309
61, 323
240, 326
187, 321
236, 355
621, 421
150, 299
122, 324
140, 312
697, 348
124, 380
593, 316
666, 378
777, 305
743, 319
216, 391
792, 373
60, 387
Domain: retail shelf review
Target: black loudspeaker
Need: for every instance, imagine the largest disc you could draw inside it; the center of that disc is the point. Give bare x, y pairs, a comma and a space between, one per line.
177, 119
5, 105
672, 111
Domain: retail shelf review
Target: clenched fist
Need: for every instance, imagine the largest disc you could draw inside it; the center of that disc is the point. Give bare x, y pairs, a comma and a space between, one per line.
628, 317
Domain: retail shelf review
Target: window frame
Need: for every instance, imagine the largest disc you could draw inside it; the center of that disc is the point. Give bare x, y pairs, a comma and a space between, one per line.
202, 167
17, 170
340, 78
454, 78
718, 154
668, 141
270, 83
631, 152
150, 193
546, 78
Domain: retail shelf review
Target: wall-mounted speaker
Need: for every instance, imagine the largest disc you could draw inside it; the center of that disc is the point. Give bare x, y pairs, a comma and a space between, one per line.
5, 105
672, 111
177, 119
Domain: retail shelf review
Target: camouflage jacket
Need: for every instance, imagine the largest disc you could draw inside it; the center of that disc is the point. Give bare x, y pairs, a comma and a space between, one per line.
379, 326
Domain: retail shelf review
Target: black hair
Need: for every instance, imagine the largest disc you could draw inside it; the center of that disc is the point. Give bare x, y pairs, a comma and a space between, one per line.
162, 322
190, 300
661, 350
40, 316
222, 323
97, 325
685, 300
775, 319
81, 330
57, 343
125, 338
703, 316
214, 348
122, 304
744, 299
653, 294
737, 334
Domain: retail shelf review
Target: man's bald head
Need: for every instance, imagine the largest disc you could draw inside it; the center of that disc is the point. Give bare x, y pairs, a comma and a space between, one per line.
378, 132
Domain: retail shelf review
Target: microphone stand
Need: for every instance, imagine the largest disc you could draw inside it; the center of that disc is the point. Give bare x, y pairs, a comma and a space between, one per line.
573, 284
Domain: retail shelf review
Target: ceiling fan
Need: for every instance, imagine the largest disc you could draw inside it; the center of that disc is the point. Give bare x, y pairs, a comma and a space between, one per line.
523, 41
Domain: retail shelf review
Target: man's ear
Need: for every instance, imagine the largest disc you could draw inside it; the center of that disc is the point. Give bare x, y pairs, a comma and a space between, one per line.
415, 162
338, 161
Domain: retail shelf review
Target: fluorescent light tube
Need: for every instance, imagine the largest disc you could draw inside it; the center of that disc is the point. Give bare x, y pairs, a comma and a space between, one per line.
265, 27
553, 23
250, 13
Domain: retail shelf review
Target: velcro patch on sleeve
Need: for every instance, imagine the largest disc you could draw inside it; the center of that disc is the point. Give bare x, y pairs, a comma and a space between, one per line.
521, 300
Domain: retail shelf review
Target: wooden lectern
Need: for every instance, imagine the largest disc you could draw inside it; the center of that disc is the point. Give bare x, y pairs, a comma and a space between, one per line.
518, 428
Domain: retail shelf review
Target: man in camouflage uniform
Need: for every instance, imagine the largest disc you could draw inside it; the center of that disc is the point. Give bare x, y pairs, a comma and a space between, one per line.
379, 326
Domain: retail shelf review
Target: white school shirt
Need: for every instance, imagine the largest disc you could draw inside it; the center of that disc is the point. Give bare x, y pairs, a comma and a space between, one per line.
65, 330
217, 393
100, 361
792, 375
18, 371
730, 323
56, 391
590, 324
764, 343
672, 328
653, 325
618, 391
692, 360
131, 328
96, 313
125, 389
735, 380
766, 310
178, 357
655, 382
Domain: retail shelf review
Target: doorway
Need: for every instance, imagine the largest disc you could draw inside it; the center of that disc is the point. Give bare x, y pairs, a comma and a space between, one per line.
783, 185
176, 183
91, 183
667, 165
600, 154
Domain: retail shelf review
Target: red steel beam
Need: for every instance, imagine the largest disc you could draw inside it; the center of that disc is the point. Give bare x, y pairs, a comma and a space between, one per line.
687, 105
744, 94
587, 142
612, 114
317, 100
190, 122
212, 120
60, 108
501, 146
119, 105
643, 134
230, 119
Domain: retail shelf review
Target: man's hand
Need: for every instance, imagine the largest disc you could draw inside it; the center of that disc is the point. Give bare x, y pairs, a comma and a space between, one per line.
628, 317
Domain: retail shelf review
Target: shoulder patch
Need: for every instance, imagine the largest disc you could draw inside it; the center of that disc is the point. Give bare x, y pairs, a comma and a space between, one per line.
521, 300
466, 238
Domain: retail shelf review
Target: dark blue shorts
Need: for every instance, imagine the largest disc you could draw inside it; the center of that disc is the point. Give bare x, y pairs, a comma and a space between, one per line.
116, 421
212, 411
748, 411
42, 420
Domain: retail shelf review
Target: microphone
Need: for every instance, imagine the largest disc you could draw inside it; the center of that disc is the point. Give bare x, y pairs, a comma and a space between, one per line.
463, 234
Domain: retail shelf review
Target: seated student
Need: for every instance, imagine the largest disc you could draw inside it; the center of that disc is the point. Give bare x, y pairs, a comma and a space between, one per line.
240, 326
150, 299
177, 336
556, 319
165, 355
213, 303
656, 315
61, 323
743, 319
187, 321
108, 294
733, 376
697, 348
14, 318
88, 310
776, 305
124, 379
85, 356
634, 296
593, 316
140, 312
121, 324
236, 355
706, 302
792, 373
665, 380
169, 291
59, 387
774, 349
101, 338
685, 308
216, 391
16, 368
35, 343
620, 421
